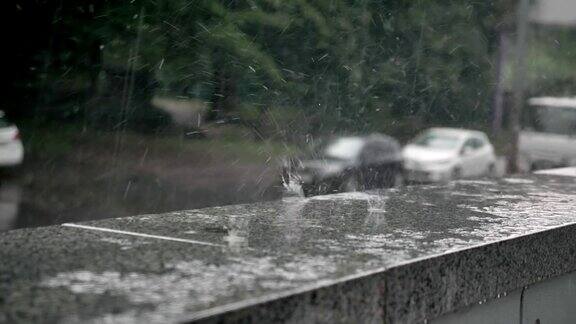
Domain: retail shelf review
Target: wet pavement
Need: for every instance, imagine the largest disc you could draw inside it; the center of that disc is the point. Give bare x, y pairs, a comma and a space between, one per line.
409, 254
27, 200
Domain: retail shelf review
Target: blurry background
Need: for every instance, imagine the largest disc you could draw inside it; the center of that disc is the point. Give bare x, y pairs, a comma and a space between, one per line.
130, 107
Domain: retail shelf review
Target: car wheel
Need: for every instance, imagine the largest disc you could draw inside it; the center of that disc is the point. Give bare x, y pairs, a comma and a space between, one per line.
351, 184
397, 180
391, 178
456, 173
308, 190
491, 170
524, 164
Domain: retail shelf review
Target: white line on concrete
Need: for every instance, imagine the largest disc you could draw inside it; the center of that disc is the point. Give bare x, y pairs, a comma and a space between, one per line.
159, 237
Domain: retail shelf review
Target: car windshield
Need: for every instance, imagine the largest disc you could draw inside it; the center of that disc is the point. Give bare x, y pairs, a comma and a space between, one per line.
438, 141
555, 120
346, 148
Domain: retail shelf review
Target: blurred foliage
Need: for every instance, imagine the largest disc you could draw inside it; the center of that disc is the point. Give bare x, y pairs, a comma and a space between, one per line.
552, 61
288, 68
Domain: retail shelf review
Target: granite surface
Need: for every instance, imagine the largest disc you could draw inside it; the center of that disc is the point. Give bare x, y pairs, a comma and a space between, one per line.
395, 256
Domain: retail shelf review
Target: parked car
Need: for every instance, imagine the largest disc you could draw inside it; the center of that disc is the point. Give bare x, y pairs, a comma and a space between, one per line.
11, 149
549, 138
348, 164
442, 154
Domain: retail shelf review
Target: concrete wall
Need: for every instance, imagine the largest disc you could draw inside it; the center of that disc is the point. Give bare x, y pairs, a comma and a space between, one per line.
551, 301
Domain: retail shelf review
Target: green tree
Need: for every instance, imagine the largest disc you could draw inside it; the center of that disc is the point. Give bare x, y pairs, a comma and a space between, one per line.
337, 65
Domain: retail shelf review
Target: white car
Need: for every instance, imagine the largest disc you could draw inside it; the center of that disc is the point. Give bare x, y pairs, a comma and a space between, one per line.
442, 154
549, 139
11, 149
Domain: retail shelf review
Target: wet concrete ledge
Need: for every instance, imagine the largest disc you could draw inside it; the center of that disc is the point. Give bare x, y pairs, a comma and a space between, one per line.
395, 256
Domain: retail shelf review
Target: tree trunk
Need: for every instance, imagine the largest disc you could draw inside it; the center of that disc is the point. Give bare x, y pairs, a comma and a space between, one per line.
519, 83
224, 97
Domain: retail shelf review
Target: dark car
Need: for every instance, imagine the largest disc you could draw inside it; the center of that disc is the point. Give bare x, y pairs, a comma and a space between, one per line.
348, 164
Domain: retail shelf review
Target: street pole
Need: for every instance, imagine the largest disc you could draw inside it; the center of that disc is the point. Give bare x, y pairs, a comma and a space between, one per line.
498, 100
522, 25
